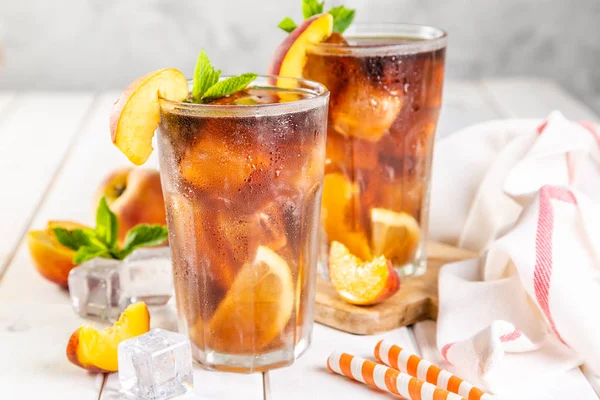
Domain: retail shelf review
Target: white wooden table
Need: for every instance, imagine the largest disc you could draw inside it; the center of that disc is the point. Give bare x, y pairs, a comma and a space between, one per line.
54, 150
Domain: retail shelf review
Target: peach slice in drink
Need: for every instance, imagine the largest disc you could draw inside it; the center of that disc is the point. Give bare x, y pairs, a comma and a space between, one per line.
394, 235
339, 198
361, 282
255, 310
135, 115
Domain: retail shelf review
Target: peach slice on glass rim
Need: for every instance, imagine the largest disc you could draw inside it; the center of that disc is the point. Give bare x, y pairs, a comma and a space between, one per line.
135, 115
96, 351
290, 57
361, 282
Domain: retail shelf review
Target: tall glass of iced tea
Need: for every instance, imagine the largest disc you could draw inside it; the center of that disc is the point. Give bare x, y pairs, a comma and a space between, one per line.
242, 179
386, 88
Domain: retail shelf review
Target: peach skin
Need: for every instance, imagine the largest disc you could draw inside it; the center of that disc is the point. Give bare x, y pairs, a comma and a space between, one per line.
135, 196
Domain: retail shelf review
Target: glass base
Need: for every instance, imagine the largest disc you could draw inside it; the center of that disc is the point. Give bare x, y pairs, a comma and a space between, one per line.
413, 269
250, 363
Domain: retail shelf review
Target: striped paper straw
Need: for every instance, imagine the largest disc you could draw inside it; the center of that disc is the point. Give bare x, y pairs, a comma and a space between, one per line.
407, 362
384, 378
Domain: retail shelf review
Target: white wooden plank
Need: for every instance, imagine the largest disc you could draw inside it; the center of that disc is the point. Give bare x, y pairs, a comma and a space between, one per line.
34, 138
464, 103
208, 385
308, 377
33, 339
535, 98
70, 198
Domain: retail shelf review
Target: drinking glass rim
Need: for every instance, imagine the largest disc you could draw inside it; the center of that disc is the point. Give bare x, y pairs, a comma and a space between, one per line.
319, 91
429, 38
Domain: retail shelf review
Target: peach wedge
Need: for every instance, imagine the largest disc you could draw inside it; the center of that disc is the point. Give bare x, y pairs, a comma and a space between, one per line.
361, 282
290, 56
96, 351
136, 114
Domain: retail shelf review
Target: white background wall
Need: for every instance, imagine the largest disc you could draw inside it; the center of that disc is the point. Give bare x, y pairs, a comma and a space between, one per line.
104, 44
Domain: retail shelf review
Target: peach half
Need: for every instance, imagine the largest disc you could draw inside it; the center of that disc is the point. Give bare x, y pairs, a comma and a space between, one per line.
361, 282
290, 57
52, 260
135, 115
96, 351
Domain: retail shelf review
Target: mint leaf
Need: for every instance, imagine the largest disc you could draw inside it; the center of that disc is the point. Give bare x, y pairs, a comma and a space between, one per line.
287, 24
342, 18
311, 7
86, 253
107, 226
73, 239
205, 76
141, 236
229, 86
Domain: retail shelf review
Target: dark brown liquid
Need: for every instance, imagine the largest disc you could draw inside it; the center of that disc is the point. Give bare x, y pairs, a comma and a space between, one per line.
232, 185
382, 117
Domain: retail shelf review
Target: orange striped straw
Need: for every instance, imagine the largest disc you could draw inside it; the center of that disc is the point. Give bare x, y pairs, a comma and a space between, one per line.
384, 378
404, 361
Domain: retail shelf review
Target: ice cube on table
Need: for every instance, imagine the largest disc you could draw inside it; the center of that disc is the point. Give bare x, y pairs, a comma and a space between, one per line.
147, 275
95, 289
102, 288
156, 365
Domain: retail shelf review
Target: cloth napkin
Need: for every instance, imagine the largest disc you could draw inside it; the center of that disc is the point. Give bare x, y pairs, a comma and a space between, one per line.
525, 194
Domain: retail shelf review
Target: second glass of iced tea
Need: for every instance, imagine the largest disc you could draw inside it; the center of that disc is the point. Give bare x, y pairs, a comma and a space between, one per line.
242, 179
386, 87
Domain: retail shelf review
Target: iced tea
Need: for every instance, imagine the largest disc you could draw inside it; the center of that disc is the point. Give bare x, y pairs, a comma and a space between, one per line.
386, 87
242, 179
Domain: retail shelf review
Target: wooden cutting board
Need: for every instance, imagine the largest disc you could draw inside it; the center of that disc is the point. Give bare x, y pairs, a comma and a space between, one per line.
415, 301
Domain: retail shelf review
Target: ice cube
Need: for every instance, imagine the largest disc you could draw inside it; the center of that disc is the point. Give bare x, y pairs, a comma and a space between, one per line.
364, 110
102, 288
156, 365
95, 289
147, 275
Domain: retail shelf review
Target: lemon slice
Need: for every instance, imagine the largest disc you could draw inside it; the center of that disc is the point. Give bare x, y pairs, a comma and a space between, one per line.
394, 235
256, 308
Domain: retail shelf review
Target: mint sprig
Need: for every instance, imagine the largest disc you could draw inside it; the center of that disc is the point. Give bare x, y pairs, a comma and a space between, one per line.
207, 86
205, 76
311, 7
102, 241
342, 16
229, 85
287, 24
